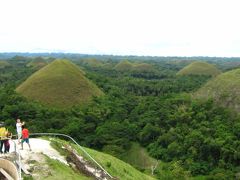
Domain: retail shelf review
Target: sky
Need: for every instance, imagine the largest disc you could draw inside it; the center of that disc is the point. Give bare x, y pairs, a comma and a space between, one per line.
122, 27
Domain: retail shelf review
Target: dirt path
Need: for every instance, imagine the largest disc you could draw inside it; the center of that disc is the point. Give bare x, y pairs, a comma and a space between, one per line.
38, 146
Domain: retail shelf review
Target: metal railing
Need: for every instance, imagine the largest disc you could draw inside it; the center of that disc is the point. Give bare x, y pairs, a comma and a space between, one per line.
75, 142
18, 158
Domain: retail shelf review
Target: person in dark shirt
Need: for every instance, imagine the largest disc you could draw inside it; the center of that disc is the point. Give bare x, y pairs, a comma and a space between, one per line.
25, 137
7, 143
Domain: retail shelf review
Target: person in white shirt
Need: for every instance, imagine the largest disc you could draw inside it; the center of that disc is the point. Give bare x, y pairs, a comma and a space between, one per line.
19, 129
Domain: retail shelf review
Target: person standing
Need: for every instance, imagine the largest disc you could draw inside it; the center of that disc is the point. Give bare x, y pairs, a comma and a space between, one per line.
7, 143
25, 137
3, 136
19, 130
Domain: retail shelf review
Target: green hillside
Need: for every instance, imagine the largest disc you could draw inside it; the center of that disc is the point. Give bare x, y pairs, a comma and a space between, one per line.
138, 157
134, 67
224, 89
37, 62
199, 68
116, 167
4, 64
143, 67
60, 84
124, 66
92, 62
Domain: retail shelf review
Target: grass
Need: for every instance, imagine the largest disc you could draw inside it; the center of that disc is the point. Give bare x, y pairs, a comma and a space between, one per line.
4, 64
51, 169
124, 66
114, 166
92, 62
135, 67
199, 68
224, 90
37, 62
59, 84
61, 171
138, 157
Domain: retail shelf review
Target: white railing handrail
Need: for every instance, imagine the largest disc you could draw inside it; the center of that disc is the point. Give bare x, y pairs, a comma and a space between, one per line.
19, 159
64, 135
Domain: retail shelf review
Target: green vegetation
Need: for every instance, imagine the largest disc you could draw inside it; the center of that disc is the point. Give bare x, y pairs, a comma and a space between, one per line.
60, 84
116, 167
4, 64
199, 68
61, 171
91, 62
224, 90
37, 63
190, 138
138, 157
126, 66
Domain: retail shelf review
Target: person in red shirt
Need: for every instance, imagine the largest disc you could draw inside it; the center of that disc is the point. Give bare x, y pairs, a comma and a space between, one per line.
25, 137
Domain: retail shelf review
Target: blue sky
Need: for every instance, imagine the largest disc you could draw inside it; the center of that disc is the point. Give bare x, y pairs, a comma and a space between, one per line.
121, 27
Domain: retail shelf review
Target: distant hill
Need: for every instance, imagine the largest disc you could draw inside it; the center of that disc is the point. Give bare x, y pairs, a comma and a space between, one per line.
37, 62
4, 64
224, 89
143, 67
59, 84
134, 67
124, 66
199, 68
92, 62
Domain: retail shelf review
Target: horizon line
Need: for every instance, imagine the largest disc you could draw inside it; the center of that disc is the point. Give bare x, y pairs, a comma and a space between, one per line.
103, 54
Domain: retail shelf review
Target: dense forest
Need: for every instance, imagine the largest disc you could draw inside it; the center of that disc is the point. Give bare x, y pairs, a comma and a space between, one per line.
190, 137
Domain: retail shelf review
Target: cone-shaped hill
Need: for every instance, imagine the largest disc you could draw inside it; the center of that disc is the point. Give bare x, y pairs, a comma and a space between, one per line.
224, 89
124, 66
199, 68
92, 62
135, 67
143, 67
59, 84
37, 62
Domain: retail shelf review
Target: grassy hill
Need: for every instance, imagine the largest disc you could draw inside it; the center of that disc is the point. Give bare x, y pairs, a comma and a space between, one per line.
199, 68
224, 89
134, 67
60, 84
4, 64
143, 67
124, 66
92, 62
37, 62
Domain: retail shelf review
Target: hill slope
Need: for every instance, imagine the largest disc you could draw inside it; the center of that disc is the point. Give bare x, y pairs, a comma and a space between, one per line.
37, 62
138, 157
53, 162
143, 67
4, 64
135, 67
59, 84
124, 66
199, 68
92, 62
224, 89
